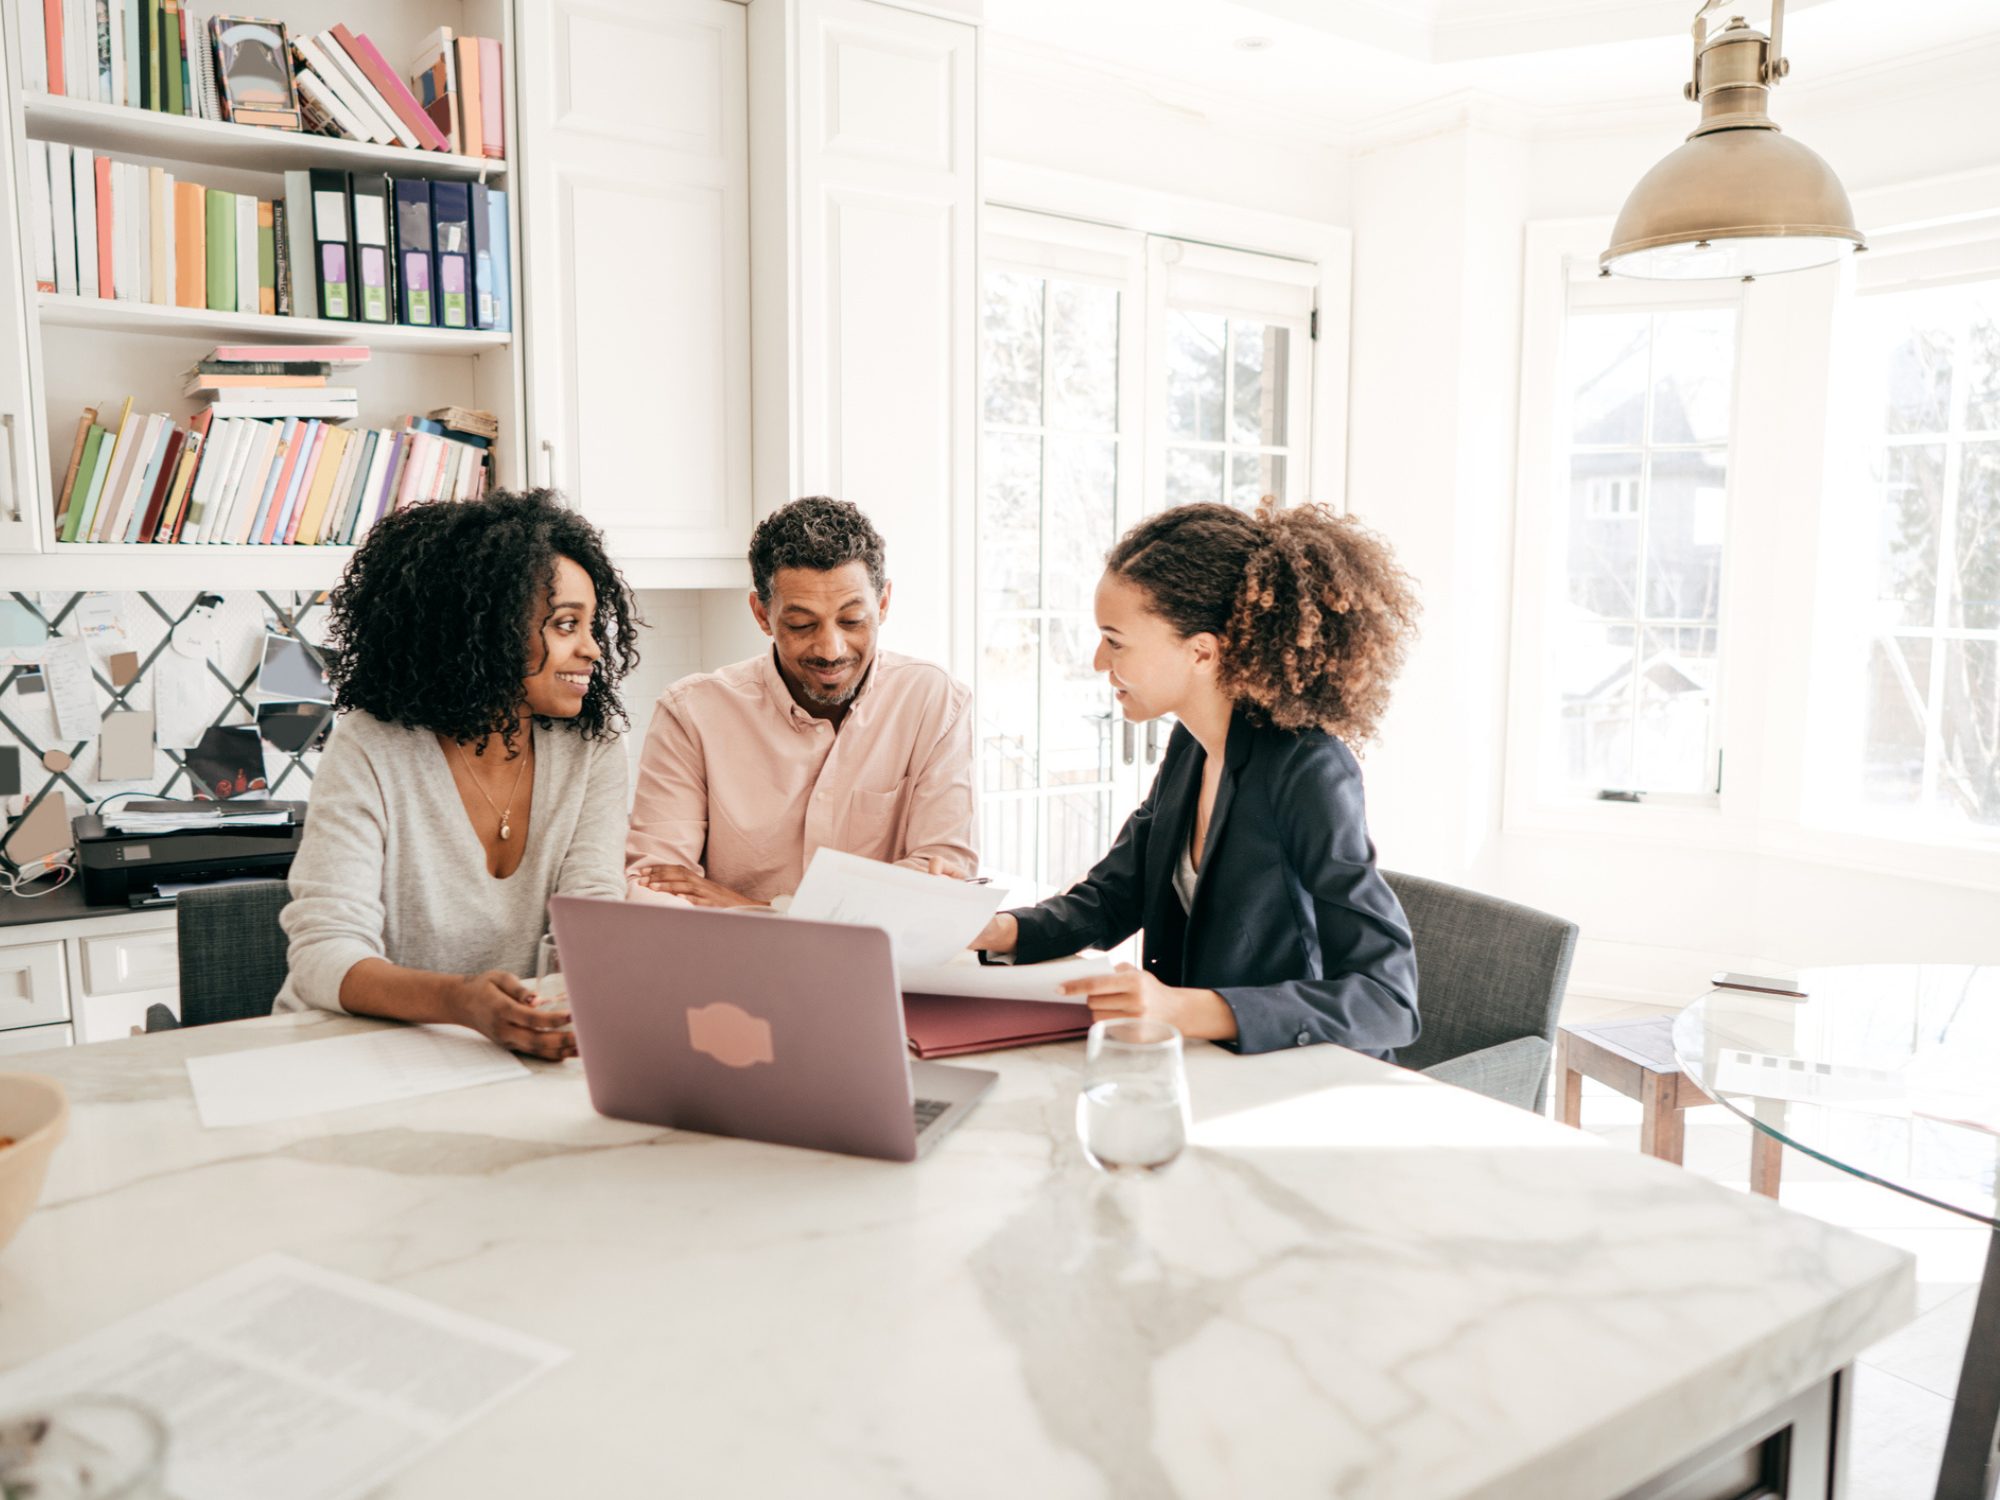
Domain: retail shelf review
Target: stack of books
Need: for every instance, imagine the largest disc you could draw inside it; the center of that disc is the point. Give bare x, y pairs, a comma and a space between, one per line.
351, 246
160, 55
239, 473
268, 388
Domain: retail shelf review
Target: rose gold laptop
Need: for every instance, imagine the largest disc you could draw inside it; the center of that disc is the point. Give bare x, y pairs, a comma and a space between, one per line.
754, 1026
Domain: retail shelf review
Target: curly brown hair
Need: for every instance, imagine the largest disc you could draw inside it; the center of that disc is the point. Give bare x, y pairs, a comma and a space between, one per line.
1313, 614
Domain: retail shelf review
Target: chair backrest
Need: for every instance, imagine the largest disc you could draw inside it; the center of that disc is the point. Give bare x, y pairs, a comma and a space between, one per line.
232, 950
1488, 971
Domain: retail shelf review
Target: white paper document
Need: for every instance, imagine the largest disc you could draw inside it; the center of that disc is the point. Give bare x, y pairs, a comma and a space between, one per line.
929, 919
978, 981
282, 1381
376, 1067
72, 695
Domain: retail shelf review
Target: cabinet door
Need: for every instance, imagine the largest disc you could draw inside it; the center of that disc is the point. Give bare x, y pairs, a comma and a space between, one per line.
32, 992
36, 1039
867, 290
124, 963
23, 445
635, 222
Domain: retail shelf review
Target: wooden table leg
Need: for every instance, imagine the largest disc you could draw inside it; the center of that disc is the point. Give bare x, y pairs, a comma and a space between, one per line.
1767, 1153
1972, 1444
1660, 1121
1572, 1084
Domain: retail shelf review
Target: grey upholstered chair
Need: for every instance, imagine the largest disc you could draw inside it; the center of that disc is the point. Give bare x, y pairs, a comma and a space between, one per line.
1490, 978
232, 953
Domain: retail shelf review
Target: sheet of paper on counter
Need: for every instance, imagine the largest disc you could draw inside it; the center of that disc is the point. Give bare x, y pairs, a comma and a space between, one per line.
374, 1067
283, 1381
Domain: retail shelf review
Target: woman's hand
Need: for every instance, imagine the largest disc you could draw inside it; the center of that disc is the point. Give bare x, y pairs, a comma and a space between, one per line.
498, 1005
999, 935
697, 890
1200, 1014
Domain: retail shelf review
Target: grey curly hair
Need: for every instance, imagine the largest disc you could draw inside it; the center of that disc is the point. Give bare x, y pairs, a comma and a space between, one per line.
818, 533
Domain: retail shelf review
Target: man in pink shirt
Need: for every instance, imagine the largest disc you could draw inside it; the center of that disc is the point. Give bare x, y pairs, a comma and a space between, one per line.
824, 740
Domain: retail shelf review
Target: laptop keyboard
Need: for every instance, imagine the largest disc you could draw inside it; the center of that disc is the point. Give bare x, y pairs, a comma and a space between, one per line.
927, 1110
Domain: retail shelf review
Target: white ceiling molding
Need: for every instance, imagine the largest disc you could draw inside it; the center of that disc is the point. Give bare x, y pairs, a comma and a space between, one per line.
1443, 31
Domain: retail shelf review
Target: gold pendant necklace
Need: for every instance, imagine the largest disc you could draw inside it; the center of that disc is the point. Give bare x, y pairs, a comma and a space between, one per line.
503, 813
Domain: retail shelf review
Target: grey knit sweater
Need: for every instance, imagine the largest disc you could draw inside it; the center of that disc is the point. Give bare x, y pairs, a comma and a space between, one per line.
391, 868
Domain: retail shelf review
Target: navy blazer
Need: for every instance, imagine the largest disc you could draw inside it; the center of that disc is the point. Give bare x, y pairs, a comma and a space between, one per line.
1291, 922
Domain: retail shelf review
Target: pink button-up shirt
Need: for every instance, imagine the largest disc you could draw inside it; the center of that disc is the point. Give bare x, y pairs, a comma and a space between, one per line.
739, 782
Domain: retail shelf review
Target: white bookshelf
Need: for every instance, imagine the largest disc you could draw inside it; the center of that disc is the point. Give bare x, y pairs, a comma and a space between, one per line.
120, 131
87, 351
114, 316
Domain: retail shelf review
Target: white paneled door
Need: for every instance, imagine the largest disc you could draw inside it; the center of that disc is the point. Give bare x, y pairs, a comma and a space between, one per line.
635, 214
865, 156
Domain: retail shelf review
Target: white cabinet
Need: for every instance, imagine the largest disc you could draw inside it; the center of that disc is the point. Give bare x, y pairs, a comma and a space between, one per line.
32, 991
637, 221
864, 165
18, 449
85, 979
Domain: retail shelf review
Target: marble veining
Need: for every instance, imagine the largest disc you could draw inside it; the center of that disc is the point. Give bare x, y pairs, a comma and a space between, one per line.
1356, 1283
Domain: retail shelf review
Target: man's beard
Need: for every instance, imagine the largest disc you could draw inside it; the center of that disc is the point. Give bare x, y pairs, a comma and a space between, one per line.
837, 697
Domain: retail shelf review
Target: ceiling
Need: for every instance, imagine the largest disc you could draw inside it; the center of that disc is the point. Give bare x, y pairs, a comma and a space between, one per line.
1348, 62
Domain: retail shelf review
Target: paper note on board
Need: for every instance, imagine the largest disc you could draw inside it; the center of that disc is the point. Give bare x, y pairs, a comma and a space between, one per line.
73, 695
125, 747
929, 918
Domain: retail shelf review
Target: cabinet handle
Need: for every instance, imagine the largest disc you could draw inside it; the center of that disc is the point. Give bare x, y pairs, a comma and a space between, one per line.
1152, 741
1129, 736
548, 463
13, 469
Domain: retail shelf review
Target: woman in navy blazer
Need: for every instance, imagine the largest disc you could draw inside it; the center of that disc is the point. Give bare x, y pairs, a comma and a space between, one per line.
1273, 638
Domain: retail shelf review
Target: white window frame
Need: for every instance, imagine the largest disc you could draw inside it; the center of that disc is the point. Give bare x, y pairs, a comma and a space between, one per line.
1792, 492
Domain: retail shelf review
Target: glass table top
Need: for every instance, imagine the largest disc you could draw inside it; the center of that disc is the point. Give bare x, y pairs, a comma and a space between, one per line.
1888, 1071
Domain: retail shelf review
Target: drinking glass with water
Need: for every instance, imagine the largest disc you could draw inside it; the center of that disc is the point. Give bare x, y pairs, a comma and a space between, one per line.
1133, 1114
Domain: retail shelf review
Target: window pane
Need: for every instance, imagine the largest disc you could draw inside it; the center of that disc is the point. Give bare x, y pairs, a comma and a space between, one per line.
1252, 476
1193, 475
1607, 377
1260, 357
1195, 343
1982, 360
1604, 534
1083, 357
1012, 349
1594, 678
1899, 675
1917, 332
1684, 525
1010, 522
1008, 710
1083, 485
1694, 365
1676, 682
1076, 720
1969, 768
1977, 538
1079, 832
1912, 513
1007, 834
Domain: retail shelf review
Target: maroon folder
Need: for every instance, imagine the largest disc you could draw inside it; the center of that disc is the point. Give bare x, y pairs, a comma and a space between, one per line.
952, 1025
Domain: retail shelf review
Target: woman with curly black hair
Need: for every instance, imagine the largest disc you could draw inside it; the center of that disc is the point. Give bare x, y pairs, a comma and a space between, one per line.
475, 769
1273, 638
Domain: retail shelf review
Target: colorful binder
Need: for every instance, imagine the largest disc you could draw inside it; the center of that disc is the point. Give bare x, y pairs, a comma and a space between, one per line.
451, 236
503, 263
332, 244
375, 298
414, 282
482, 256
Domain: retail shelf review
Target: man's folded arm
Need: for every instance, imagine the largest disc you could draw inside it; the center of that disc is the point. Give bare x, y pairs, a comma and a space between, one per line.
669, 805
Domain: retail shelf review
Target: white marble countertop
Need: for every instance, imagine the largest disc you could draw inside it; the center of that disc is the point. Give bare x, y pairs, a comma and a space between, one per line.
1357, 1283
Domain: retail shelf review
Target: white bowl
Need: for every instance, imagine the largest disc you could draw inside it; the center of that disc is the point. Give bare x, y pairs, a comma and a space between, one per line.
35, 1111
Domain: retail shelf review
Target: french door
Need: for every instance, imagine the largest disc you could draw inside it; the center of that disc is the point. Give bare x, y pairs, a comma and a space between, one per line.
1119, 373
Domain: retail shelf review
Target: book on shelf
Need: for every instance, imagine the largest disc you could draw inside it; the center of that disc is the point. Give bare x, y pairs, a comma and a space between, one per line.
266, 477
343, 246
167, 57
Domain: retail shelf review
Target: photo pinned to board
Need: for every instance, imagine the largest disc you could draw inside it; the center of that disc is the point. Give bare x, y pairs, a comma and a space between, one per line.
295, 728
293, 670
228, 762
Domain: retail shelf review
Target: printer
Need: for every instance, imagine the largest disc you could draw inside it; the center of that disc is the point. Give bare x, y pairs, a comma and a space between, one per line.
127, 853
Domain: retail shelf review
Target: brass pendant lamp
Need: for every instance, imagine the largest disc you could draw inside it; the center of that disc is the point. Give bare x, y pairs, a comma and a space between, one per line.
1740, 198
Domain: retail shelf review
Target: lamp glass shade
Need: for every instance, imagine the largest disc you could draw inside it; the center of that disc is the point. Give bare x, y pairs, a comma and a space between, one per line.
1731, 203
